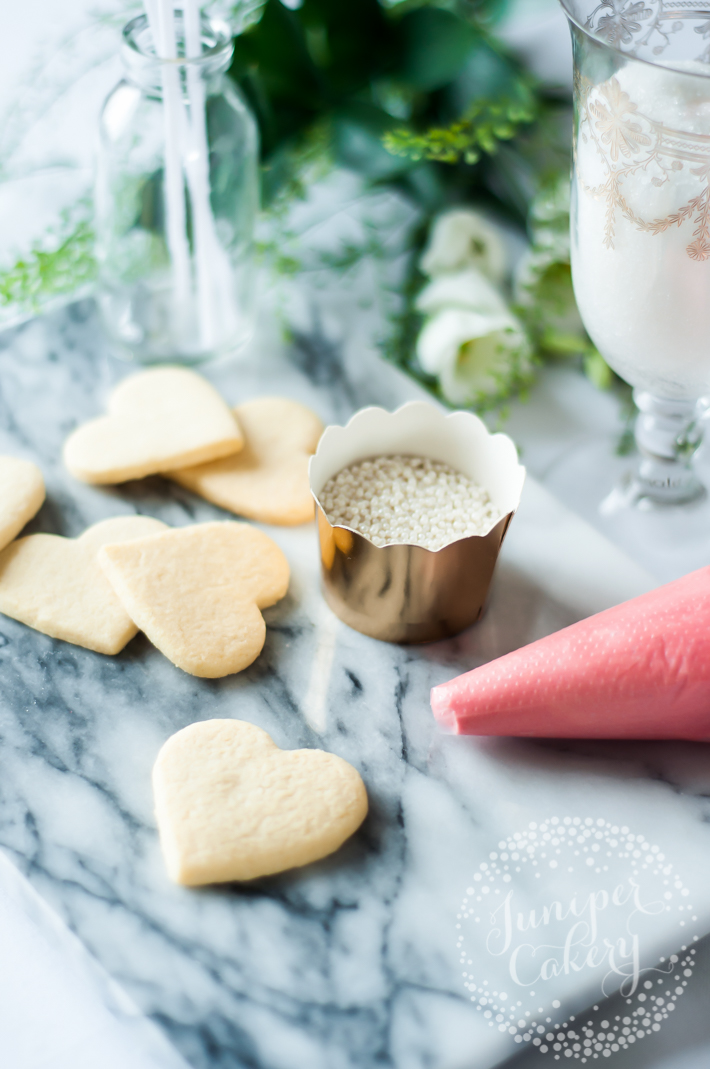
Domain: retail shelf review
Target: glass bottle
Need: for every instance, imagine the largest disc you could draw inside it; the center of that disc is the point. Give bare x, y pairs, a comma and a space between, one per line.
176, 200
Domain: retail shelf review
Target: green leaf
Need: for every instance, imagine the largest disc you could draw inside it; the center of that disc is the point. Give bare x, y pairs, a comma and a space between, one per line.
561, 344
553, 288
274, 67
488, 73
597, 370
358, 132
435, 47
350, 41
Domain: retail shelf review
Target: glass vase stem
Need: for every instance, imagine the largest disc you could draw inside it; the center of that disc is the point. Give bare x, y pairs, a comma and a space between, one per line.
667, 435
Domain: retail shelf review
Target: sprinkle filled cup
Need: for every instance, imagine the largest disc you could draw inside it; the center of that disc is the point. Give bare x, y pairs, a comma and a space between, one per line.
408, 500
412, 509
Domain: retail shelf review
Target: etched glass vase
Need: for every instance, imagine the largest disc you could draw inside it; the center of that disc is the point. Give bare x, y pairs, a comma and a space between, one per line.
641, 219
176, 200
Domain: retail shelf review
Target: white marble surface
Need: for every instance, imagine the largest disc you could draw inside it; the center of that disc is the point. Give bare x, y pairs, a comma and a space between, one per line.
59, 1008
351, 962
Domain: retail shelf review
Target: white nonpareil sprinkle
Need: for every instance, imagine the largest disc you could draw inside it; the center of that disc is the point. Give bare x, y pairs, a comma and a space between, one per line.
410, 500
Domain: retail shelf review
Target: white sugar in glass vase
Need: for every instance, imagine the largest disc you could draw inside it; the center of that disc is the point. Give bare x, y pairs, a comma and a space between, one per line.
641, 218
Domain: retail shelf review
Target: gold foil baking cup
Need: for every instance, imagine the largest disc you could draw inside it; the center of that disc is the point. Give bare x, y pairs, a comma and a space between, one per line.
405, 593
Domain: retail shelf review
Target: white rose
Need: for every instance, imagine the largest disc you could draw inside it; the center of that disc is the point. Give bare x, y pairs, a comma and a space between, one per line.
461, 289
478, 358
462, 238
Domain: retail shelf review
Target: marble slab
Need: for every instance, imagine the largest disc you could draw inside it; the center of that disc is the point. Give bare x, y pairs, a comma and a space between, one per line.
59, 1007
353, 961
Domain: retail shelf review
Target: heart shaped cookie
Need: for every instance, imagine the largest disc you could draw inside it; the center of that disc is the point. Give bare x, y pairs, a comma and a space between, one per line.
21, 495
158, 419
55, 585
230, 805
268, 479
196, 592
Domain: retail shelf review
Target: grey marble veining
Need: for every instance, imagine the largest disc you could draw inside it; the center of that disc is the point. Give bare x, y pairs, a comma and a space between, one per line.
352, 961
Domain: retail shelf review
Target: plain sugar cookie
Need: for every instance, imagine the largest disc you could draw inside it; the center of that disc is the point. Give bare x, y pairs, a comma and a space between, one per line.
158, 419
21, 496
55, 585
268, 480
230, 805
196, 592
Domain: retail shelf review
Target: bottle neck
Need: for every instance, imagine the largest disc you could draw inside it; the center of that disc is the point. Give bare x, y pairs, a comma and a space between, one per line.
147, 68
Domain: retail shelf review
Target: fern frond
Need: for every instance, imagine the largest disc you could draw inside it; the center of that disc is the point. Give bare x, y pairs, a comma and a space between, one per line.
479, 130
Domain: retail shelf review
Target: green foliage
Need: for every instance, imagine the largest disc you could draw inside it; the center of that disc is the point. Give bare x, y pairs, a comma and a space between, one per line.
434, 47
298, 66
544, 291
597, 370
484, 125
545, 296
417, 94
399, 345
405, 91
546, 303
44, 272
421, 95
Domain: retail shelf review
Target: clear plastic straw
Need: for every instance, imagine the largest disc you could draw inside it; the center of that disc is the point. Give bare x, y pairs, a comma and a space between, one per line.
213, 268
162, 23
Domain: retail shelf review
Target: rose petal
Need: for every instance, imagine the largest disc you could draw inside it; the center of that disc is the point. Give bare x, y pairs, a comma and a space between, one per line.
462, 238
461, 289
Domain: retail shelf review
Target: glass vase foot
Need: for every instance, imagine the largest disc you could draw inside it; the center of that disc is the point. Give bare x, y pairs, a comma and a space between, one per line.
667, 435
669, 541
